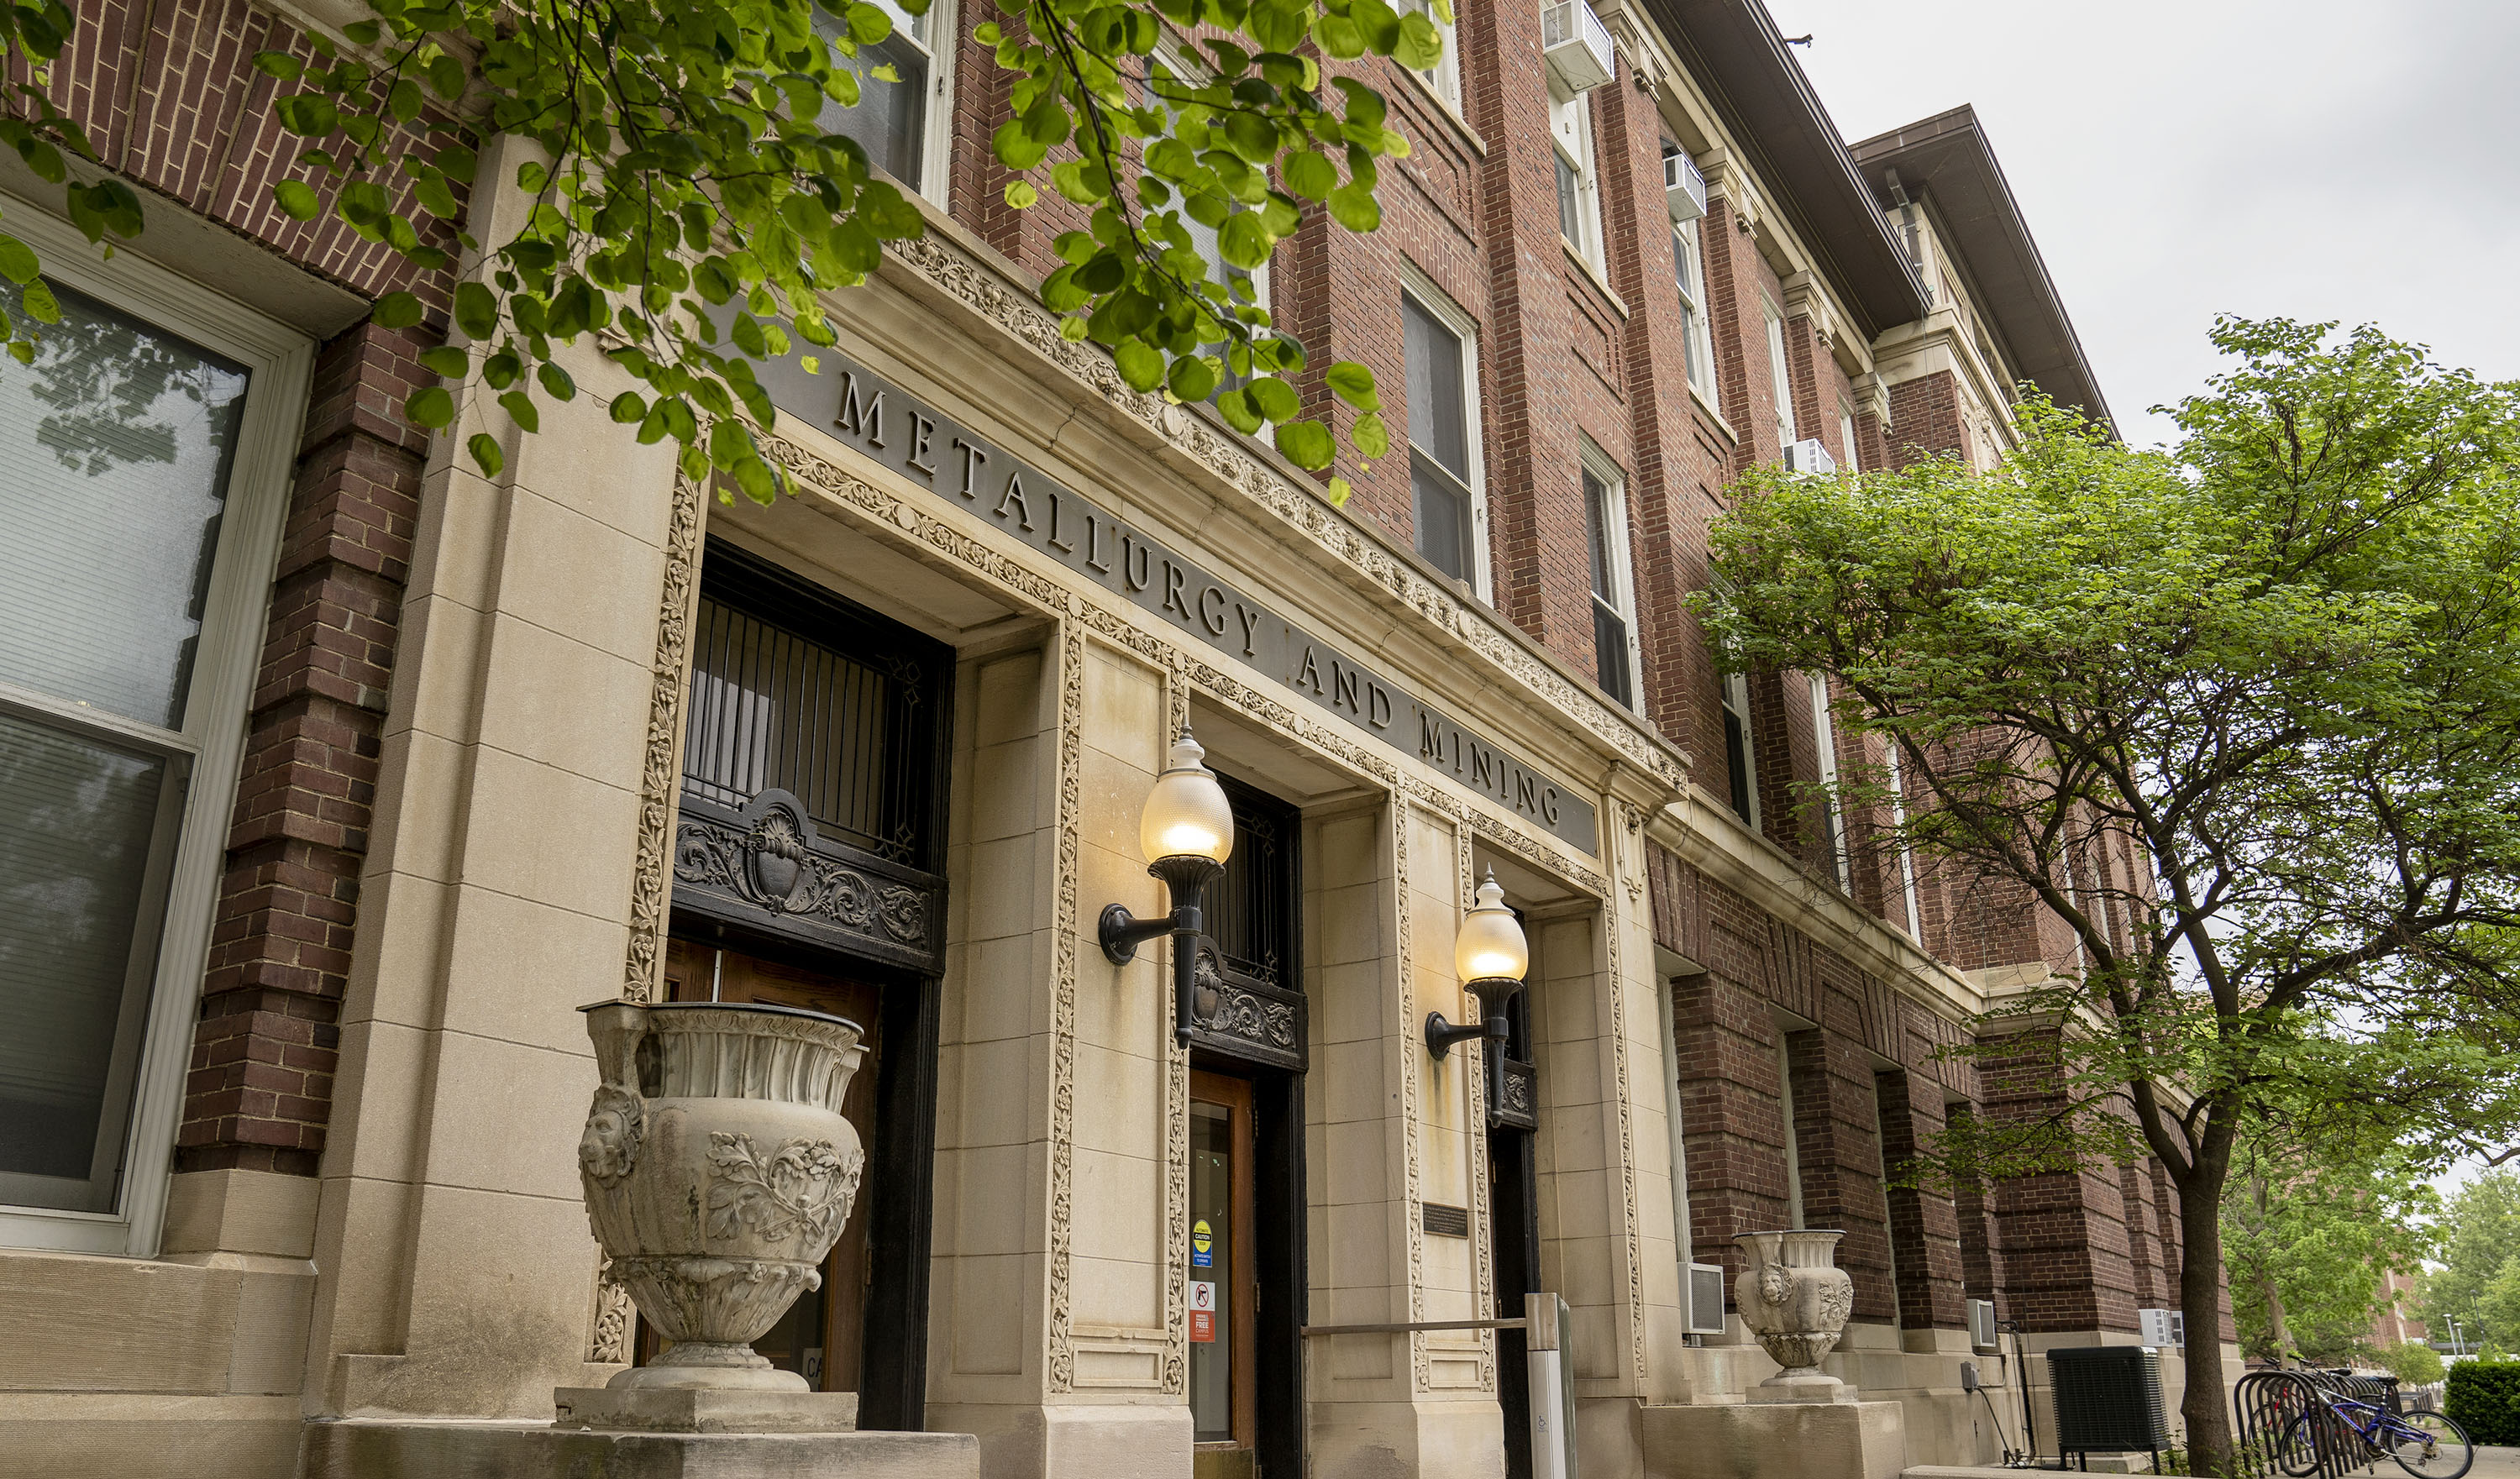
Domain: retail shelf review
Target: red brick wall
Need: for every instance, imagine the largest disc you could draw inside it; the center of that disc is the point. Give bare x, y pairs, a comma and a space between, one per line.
260, 1087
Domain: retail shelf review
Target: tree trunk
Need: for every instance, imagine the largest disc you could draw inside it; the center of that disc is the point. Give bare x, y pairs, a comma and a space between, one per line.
2278, 1334
2206, 1407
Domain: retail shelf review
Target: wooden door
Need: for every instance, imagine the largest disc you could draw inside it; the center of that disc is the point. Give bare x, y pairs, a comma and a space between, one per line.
1224, 1276
822, 1335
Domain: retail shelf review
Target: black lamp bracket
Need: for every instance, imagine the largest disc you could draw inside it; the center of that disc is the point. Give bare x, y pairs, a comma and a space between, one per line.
1121, 932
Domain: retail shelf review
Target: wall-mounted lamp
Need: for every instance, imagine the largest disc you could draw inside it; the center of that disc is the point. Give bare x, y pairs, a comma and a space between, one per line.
1491, 955
1188, 831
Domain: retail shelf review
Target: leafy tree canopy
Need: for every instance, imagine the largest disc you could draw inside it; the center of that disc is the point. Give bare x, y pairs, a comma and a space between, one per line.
2276, 669
2310, 1233
692, 197
2480, 1241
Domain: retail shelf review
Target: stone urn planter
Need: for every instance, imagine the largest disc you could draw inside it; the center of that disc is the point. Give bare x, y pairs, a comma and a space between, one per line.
718, 1172
1795, 1298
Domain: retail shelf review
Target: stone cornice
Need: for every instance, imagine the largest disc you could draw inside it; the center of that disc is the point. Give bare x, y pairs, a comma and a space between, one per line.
949, 263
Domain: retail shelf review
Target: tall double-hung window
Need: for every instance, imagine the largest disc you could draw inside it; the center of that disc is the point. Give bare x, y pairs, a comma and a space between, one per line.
147, 452
1444, 78
1697, 342
1615, 648
1832, 817
1741, 752
1780, 375
905, 123
1450, 525
1579, 194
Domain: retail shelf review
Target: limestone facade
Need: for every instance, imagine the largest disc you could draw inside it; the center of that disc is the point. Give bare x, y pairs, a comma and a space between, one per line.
437, 807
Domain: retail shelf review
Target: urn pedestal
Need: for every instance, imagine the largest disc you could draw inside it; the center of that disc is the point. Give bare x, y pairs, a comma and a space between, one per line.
718, 1172
1795, 1298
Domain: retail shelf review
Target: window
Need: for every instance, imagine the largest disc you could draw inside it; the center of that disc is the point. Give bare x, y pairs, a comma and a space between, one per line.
901, 123
1741, 759
1697, 345
1444, 78
1907, 856
1442, 469
148, 448
1781, 379
1579, 205
1846, 434
1832, 822
1613, 648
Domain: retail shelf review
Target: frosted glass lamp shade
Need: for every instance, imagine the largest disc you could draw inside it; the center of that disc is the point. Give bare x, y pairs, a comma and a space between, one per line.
1186, 815
1491, 946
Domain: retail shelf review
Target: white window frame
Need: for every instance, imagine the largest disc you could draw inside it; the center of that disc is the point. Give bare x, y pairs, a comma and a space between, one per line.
1833, 817
1419, 289
1736, 688
212, 738
936, 130
1846, 434
1780, 372
1906, 855
1442, 80
1615, 541
1690, 267
1570, 135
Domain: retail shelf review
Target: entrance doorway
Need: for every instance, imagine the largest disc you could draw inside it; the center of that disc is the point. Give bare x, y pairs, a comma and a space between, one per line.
1224, 1279
823, 1335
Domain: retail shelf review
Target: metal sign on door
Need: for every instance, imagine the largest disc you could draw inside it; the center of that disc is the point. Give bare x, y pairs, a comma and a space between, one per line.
1202, 1312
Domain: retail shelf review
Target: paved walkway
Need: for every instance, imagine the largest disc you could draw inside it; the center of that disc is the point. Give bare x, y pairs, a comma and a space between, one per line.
2491, 1464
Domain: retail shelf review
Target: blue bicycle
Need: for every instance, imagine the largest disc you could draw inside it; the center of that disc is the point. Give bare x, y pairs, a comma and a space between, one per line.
2424, 1443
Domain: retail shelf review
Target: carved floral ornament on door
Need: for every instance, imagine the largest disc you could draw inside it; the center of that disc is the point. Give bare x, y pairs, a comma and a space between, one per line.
872, 415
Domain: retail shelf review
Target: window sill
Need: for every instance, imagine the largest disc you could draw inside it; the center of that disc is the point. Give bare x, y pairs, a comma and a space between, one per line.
1452, 112
1575, 255
1706, 408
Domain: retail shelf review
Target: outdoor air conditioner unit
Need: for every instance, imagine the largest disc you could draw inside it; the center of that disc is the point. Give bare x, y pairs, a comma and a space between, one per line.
1682, 187
2163, 1327
1576, 46
1706, 1299
1809, 456
1982, 1327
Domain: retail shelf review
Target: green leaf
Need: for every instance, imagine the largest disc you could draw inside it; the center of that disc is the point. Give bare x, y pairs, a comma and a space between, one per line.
1243, 242
1306, 444
448, 361
1021, 194
1309, 174
432, 408
1191, 379
1353, 383
1420, 46
279, 65
1354, 207
556, 383
1370, 436
522, 407
1236, 407
476, 310
17, 260
628, 407
1141, 365
298, 199
486, 454
41, 306
1338, 492
1274, 399
397, 310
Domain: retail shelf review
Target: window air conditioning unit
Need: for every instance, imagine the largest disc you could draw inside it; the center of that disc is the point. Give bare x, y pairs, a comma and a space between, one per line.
1982, 1327
1809, 456
1576, 46
1706, 1299
2163, 1327
1682, 187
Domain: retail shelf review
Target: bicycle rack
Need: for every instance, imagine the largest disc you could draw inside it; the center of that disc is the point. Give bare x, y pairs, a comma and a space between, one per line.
2268, 1402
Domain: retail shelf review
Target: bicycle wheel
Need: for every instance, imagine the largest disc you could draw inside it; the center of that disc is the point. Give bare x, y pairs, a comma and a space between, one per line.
2428, 1445
2297, 1447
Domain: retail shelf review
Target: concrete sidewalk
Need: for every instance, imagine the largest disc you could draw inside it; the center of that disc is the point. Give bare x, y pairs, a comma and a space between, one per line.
2491, 1464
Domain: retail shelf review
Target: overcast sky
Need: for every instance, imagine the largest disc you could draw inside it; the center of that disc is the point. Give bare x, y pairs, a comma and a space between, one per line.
2178, 159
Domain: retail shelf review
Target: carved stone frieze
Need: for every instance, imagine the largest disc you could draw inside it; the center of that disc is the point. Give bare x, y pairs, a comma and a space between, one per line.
767, 866
1236, 1015
1062, 1028
660, 758
1518, 1105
